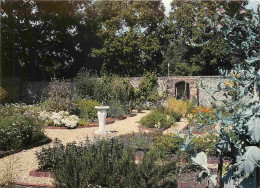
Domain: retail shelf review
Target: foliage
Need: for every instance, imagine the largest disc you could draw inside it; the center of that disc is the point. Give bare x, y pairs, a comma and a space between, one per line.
123, 92
178, 108
201, 115
205, 143
87, 109
115, 110
102, 90
55, 46
20, 126
3, 94
84, 84
60, 97
147, 89
106, 163
157, 120
59, 119
126, 48
187, 24
243, 121
141, 142
168, 143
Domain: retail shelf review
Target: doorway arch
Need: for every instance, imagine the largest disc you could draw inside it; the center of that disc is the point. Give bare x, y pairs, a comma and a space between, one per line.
182, 90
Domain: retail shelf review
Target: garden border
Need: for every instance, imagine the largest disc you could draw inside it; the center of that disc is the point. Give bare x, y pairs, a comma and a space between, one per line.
47, 140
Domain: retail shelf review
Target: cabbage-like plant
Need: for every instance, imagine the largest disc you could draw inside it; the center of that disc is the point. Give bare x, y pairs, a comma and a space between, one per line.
240, 132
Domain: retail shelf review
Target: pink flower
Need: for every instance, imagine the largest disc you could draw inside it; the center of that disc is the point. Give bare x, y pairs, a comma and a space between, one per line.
222, 10
219, 25
194, 24
242, 11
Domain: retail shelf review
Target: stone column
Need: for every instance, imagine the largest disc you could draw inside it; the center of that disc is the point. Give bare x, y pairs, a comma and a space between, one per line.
102, 114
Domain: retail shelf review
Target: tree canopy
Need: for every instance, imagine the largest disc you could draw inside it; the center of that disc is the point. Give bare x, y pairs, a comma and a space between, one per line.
45, 39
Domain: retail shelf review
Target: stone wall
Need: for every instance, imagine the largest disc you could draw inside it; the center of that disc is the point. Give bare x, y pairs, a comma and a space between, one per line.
34, 91
196, 91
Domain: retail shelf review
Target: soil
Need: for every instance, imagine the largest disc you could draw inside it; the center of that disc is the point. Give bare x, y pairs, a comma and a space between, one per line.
191, 177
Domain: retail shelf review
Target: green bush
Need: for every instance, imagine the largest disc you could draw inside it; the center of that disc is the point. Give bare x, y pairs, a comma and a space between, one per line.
87, 109
147, 89
168, 143
84, 84
123, 92
19, 127
116, 110
157, 119
206, 143
106, 163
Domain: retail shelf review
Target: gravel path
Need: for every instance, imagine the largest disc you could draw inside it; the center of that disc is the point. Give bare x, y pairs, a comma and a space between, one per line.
20, 164
179, 126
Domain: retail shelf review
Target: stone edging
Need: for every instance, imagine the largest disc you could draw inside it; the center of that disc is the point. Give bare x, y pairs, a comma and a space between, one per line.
32, 185
41, 174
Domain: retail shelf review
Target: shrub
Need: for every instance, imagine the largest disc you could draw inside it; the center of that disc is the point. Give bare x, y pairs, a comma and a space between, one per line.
60, 97
102, 90
201, 115
123, 92
87, 109
3, 94
178, 108
147, 89
168, 143
106, 163
157, 120
141, 142
205, 143
115, 110
59, 119
19, 127
84, 84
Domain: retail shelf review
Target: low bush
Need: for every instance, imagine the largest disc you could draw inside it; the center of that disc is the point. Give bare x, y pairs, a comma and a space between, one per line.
19, 127
59, 119
105, 163
168, 143
116, 110
201, 115
87, 109
157, 119
141, 142
178, 108
60, 97
206, 143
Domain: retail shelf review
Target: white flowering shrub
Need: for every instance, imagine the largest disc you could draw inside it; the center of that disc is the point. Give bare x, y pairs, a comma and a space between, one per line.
60, 119
20, 126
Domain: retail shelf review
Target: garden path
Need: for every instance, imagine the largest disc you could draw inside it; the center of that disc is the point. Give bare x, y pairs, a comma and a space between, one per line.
20, 164
178, 127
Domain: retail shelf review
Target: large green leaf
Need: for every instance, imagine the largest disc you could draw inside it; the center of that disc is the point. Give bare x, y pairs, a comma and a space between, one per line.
201, 159
247, 162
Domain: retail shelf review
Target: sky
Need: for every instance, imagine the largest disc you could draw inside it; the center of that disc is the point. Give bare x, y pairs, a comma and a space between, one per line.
252, 4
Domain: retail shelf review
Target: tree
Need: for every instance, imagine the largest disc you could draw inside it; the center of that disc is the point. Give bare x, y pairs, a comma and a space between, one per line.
188, 22
129, 41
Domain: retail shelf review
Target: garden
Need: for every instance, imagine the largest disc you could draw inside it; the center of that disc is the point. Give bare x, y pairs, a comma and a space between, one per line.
157, 134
